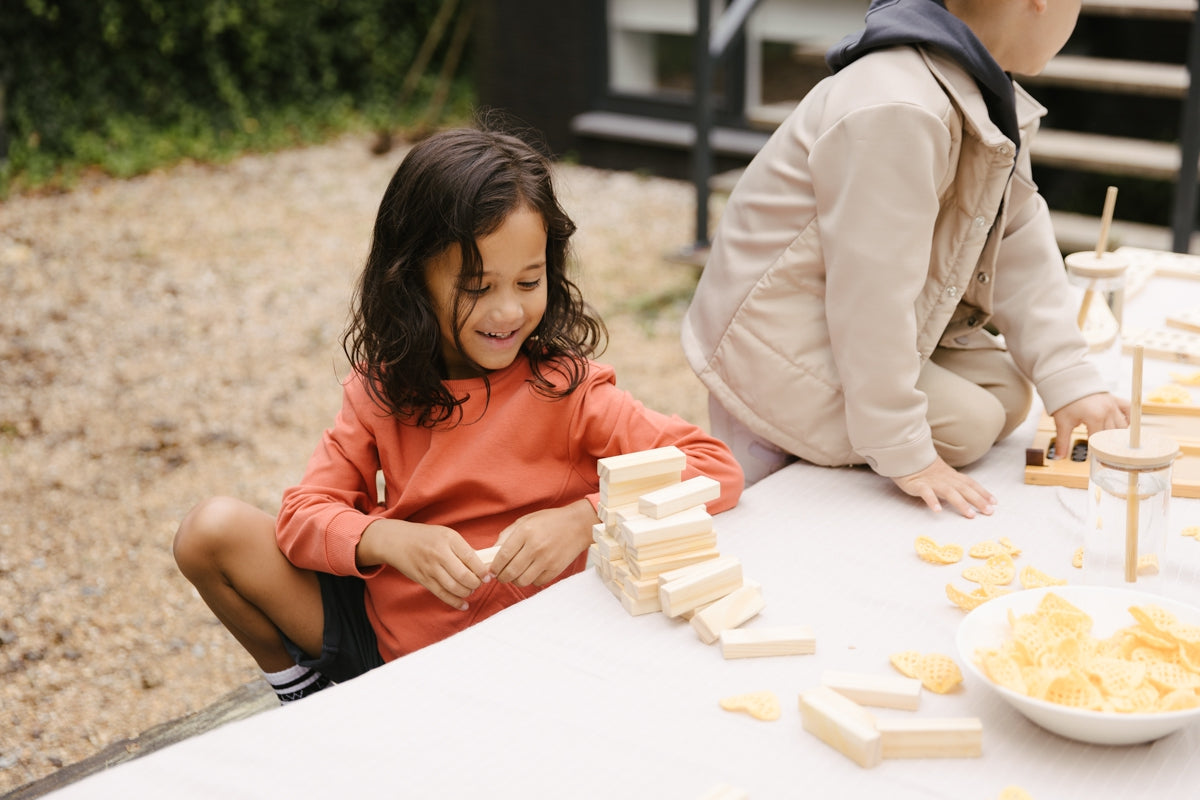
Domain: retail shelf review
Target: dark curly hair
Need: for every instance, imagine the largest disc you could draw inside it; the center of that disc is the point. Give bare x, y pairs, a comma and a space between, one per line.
454, 188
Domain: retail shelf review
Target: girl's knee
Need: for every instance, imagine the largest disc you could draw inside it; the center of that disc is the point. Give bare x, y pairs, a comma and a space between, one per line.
201, 533
972, 434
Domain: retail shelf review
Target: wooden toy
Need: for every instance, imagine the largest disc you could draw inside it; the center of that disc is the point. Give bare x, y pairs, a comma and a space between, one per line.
790, 640
672, 547
883, 691
655, 567
701, 584
728, 612
488, 554
647, 530
930, 738
643, 464
677, 498
1170, 344
842, 724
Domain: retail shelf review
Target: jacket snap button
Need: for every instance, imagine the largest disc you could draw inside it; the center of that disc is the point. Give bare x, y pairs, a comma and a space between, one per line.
980, 222
983, 277
952, 291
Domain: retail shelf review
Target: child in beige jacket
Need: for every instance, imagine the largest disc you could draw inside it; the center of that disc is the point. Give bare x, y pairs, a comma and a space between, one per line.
877, 244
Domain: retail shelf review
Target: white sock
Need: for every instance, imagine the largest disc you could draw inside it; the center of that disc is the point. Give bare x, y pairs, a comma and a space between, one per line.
296, 682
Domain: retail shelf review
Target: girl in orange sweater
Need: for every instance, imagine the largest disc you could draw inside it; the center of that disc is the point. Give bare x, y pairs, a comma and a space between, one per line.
475, 395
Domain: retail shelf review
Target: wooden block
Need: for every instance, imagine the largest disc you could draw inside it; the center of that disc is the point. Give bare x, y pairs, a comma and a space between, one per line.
703, 541
656, 567
637, 606
593, 557
642, 464
647, 530
703, 584
609, 548
788, 640
630, 492
673, 499
612, 517
488, 554
842, 724
883, 691
639, 588
729, 612
931, 738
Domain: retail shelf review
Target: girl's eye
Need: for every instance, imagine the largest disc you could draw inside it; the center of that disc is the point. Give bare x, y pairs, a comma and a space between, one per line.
475, 291
530, 284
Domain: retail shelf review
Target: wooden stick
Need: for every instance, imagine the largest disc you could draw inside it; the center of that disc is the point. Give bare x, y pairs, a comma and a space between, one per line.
1110, 203
1131, 497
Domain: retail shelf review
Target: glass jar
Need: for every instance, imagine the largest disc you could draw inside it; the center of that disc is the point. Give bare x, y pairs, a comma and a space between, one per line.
1129, 493
1102, 278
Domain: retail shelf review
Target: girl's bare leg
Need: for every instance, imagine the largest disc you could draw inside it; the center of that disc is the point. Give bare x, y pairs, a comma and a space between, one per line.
227, 549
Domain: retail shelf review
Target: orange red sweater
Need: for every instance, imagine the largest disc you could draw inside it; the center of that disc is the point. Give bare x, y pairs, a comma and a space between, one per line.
526, 452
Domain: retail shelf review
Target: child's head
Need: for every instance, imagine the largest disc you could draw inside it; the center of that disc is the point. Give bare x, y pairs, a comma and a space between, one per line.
1022, 35
467, 271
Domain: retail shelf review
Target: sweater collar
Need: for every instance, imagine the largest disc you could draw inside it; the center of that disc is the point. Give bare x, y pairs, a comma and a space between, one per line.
890, 23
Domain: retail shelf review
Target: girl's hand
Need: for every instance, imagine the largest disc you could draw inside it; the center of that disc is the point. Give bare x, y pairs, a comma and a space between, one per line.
940, 481
1099, 412
536, 548
434, 556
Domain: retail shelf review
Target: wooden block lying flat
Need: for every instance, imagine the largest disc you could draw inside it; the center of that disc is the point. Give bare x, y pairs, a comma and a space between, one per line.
883, 691
672, 547
729, 612
842, 724
931, 738
594, 558
488, 554
702, 584
647, 530
673, 499
608, 547
611, 516
630, 492
790, 640
643, 464
638, 606
639, 588
656, 567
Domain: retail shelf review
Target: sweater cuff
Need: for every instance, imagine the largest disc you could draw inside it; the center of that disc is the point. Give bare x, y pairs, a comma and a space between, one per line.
342, 536
1069, 385
905, 459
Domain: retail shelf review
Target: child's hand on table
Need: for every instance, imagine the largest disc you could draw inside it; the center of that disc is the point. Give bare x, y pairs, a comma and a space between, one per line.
940, 481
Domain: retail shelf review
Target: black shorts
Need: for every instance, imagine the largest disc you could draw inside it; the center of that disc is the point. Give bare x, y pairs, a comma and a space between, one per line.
348, 645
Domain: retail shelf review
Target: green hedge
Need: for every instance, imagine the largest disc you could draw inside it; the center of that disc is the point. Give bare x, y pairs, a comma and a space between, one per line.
127, 85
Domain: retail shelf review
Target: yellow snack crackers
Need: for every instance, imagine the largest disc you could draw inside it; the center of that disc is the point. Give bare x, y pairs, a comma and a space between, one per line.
934, 553
1170, 393
760, 705
1142, 668
1077, 558
998, 570
937, 672
1033, 578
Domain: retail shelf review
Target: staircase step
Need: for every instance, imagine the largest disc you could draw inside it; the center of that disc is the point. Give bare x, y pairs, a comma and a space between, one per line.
611, 126
1110, 155
1154, 9
1078, 232
1113, 75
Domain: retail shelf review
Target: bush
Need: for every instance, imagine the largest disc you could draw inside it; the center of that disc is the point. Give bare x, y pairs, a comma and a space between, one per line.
126, 85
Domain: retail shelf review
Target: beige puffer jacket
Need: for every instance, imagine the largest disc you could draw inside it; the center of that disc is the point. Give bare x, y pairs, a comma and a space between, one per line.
858, 240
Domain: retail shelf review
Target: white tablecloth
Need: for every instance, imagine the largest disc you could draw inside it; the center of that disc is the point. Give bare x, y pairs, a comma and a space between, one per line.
568, 696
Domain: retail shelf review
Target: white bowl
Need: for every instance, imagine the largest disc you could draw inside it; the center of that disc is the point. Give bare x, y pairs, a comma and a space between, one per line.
987, 626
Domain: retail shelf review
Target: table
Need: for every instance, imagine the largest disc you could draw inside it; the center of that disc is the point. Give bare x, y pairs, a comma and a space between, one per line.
568, 696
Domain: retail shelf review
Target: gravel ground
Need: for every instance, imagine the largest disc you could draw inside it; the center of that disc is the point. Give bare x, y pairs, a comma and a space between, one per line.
175, 336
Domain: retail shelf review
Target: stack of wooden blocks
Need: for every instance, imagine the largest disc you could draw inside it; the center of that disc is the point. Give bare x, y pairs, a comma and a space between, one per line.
655, 548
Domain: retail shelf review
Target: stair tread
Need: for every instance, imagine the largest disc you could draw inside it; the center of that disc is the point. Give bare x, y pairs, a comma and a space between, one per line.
1157, 9
1107, 154
1113, 75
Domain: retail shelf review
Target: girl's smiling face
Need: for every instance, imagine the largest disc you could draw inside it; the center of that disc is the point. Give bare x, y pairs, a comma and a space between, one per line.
504, 307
